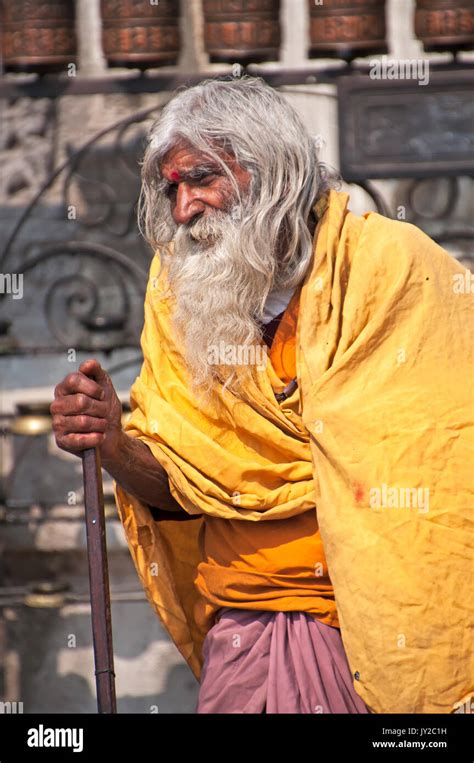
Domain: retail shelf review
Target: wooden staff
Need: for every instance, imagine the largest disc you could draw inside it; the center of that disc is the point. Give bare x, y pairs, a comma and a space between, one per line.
99, 581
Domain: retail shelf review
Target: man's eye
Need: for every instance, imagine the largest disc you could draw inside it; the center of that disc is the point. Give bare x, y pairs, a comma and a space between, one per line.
170, 190
203, 178
198, 179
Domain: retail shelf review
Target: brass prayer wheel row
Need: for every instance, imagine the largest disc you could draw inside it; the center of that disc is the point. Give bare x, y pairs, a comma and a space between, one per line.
41, 35
37, 36
445, 24
242, 30
346, 29
350, 28
141, 33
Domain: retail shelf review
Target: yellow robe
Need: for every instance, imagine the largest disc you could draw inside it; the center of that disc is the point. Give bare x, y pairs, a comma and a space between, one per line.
385, 365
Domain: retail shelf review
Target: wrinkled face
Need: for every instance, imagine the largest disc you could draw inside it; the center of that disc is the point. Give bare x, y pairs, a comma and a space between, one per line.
220, 268
196, 187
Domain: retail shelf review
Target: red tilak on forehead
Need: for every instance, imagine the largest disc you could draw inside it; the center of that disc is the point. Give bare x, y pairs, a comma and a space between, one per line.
175, 175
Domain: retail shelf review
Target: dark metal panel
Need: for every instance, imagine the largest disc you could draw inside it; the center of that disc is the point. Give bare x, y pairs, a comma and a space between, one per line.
399, 128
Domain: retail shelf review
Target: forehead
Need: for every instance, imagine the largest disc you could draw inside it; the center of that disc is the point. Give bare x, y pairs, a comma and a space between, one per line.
182, 158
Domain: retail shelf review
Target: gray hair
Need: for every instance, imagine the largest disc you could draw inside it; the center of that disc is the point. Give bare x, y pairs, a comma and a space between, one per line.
255, 123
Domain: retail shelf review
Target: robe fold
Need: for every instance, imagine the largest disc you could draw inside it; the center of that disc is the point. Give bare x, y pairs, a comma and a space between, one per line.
385, 363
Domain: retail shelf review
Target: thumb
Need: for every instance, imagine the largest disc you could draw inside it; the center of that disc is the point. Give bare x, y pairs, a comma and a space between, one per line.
94, 370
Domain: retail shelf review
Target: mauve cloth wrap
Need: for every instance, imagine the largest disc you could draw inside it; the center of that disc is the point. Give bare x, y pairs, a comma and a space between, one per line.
275, 662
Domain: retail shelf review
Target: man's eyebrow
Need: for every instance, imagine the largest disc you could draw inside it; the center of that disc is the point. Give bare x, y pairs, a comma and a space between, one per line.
199, 170
194, 173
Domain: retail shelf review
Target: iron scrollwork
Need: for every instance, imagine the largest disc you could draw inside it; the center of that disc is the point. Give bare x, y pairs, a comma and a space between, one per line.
91, 292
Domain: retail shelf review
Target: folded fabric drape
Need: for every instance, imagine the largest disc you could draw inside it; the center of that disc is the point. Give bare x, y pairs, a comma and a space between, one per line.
384, 363
275, 662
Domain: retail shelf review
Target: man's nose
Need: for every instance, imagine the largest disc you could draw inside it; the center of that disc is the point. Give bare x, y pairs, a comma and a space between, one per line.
187, 205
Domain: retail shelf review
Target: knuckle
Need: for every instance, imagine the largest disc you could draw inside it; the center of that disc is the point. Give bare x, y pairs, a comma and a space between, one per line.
58, 390
58, 423
72, 440
81, 400
56, 407
73, 379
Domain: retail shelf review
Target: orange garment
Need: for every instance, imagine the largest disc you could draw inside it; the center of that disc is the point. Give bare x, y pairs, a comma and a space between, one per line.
279, 565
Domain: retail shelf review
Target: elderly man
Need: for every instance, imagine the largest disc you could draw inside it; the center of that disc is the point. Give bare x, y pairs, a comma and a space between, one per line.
293, 480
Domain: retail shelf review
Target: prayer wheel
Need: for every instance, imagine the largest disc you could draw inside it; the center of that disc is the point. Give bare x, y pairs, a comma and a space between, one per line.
346, 28
242, 31
140, 33
445, 24
37, 36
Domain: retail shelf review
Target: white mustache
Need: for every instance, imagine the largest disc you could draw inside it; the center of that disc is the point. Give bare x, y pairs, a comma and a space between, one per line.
210, 228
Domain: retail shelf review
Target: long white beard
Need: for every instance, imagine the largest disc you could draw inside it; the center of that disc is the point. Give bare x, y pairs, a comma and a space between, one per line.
218, 291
